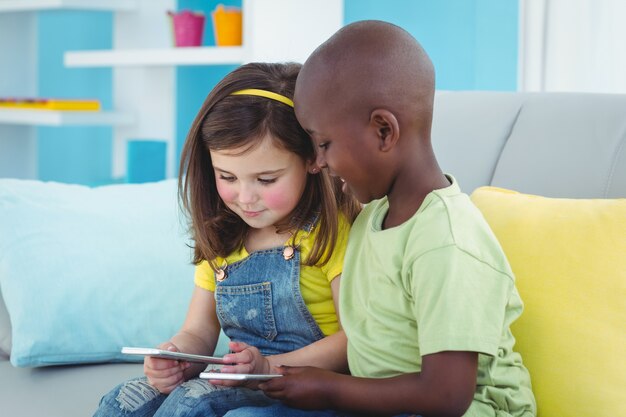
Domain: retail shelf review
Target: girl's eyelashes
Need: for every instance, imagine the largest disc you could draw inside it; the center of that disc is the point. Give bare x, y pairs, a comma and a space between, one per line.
227, 178
264, 181
267, 180
323, 145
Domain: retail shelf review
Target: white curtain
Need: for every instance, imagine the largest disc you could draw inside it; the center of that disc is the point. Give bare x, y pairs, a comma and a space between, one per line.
572, 45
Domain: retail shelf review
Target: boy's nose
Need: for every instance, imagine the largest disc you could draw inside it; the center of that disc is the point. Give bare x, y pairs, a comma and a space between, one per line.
320, 161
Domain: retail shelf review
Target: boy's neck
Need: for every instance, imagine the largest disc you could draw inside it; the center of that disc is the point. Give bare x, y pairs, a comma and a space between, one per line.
409, 190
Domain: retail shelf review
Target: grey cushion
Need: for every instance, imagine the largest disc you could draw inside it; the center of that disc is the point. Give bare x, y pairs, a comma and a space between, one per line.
570, 145
469, 132
567, 145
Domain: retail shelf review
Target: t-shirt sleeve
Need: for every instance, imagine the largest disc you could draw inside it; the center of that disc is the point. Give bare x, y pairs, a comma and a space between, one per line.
334, 266
459, 302
204, 276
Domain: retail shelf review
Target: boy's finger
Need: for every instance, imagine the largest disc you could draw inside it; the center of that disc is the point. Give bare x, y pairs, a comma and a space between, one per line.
272, 385
285, 369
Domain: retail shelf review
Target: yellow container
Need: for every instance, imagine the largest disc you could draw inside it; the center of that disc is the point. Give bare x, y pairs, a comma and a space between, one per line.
227, 25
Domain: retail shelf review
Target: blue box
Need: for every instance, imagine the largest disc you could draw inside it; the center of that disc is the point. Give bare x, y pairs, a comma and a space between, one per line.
146, 160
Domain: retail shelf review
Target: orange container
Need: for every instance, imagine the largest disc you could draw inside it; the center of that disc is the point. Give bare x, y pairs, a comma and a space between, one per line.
227, 25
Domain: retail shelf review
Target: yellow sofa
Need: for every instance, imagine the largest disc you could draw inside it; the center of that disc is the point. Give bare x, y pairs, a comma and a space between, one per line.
549, 174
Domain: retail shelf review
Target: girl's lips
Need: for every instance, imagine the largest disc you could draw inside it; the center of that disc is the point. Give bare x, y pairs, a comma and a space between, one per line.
251, 213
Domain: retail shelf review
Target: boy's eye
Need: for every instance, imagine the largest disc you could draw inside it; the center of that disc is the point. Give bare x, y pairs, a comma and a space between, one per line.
227, 178
267, 180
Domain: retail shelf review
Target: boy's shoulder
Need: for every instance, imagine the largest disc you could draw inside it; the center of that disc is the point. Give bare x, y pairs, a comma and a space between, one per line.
453, 220
447, 218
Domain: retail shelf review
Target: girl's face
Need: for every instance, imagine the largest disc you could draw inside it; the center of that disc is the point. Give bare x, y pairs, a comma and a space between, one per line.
262, 185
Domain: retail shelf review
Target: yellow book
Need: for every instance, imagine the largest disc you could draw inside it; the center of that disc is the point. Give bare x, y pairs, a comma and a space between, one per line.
49, 104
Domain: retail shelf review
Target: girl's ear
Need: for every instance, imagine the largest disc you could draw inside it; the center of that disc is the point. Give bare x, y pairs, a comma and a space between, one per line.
312, 167
387, 128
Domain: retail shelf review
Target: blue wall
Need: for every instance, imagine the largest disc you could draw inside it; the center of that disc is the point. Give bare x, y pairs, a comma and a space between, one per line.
473, 45
194, 83
74, 154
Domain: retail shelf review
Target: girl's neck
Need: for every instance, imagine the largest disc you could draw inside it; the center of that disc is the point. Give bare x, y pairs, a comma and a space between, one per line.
266, 238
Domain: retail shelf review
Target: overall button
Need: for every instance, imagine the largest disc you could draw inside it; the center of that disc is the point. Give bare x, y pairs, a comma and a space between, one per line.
289, 252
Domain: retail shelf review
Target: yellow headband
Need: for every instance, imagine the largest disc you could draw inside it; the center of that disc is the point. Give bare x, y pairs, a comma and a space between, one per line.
264, 93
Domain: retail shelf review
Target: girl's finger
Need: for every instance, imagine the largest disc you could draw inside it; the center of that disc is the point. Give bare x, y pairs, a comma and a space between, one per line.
245, 368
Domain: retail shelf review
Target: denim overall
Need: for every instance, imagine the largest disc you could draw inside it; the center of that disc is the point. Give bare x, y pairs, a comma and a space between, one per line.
258, 301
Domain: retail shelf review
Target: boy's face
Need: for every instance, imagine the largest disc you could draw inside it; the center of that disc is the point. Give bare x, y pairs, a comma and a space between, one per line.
343, 145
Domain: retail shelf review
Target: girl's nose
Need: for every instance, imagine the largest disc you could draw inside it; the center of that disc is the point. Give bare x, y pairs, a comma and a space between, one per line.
247, 194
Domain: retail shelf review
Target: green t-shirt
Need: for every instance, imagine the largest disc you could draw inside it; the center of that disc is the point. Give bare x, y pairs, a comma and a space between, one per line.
438, 282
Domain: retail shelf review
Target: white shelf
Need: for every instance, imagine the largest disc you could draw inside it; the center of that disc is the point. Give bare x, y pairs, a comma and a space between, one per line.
207, 55
63, 118
36, 5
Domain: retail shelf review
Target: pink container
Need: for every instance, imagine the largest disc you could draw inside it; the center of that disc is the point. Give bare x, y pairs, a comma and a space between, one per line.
187, 27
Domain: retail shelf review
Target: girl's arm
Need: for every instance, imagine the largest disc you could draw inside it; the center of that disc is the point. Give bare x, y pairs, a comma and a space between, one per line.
328, 353
198, 335
444, 387
200, 330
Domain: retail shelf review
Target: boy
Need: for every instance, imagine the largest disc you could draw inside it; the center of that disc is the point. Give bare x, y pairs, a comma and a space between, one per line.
427, 295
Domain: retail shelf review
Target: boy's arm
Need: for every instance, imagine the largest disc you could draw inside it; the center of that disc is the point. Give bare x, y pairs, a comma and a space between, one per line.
444, 387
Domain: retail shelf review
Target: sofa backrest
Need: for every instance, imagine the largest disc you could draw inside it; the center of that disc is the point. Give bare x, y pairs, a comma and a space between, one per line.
569, 145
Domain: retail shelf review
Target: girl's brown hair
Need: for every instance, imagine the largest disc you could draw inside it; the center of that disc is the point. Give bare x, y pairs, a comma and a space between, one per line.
225, 122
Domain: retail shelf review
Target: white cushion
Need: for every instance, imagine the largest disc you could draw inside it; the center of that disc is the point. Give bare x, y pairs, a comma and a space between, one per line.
85, 271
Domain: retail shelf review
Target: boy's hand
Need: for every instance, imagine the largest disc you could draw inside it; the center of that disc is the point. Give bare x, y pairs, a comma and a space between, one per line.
165, 374
246, 359
302, 387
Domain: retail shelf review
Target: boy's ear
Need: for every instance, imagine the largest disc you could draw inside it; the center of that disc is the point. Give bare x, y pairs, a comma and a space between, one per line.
387, 128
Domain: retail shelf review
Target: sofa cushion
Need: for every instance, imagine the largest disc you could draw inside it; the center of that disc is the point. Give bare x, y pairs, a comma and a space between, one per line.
60, 391
568, 256
85, 271
566, 145
470, 147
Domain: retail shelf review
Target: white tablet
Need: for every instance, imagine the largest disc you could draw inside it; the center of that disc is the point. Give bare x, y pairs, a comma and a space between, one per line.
166, 354
238, 377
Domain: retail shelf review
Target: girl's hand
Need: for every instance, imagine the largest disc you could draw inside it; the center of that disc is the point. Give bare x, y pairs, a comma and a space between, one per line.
164, 374
246, 359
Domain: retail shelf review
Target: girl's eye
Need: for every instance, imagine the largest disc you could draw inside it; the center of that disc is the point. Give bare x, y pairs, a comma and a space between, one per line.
267, 180
227, 178
323, 145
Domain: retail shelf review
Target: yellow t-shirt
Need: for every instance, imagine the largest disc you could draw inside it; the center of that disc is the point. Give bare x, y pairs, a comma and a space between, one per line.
314, 280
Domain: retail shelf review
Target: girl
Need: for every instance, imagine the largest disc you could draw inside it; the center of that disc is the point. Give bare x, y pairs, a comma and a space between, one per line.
270, 231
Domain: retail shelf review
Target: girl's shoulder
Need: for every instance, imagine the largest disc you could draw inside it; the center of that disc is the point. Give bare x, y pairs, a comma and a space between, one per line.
306, 240
343, 226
